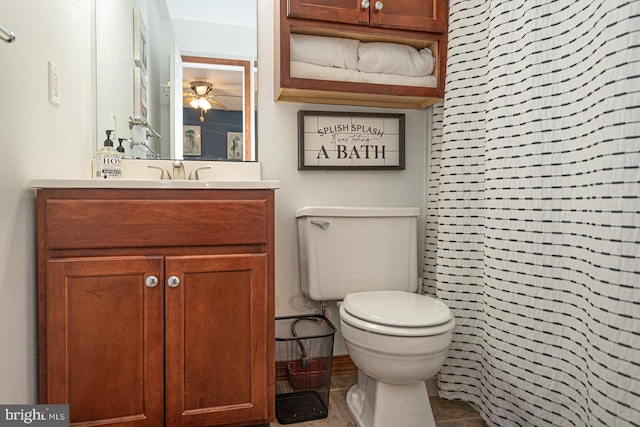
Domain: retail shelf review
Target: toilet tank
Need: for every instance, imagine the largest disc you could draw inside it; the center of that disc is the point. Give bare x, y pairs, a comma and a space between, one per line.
344, 250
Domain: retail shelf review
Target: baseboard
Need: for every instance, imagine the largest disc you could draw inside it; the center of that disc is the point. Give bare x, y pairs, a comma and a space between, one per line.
342, 364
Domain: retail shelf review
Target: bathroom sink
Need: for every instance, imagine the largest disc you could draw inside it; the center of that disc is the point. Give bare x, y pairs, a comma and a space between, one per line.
147, 174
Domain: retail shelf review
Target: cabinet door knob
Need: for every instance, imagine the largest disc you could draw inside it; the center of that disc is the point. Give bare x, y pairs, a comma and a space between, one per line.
379, 5
151, 281
173, 282
365, 4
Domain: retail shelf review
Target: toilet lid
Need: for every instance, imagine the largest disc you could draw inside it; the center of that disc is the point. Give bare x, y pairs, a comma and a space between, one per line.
397, 308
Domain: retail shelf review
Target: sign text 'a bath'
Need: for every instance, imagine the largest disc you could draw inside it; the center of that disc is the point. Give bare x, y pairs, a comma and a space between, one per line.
352, 141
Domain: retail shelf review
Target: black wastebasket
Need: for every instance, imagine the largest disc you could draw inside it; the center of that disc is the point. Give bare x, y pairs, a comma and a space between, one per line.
304, 353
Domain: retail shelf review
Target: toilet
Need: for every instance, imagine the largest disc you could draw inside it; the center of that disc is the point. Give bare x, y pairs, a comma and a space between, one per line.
367, 259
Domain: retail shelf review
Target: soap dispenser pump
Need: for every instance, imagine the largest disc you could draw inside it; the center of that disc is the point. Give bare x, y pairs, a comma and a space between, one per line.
108, 160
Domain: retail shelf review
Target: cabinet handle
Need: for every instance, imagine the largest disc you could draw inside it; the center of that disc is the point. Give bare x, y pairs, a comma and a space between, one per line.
151, 281
379, 5
365, 4
173, 282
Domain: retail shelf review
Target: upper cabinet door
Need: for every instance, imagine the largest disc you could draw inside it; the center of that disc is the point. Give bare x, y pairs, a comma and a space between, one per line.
415, 15
344, 11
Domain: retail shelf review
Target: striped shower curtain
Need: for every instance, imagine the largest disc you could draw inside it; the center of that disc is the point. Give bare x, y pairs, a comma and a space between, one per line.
533, 211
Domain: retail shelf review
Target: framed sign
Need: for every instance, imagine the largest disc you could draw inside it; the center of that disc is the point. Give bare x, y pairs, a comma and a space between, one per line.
340, 140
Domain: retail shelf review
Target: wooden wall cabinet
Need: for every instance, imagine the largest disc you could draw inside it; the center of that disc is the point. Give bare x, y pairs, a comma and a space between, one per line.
418, 23
414, 15
156, 307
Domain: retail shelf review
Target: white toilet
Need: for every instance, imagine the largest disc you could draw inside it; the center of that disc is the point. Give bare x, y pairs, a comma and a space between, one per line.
397, 338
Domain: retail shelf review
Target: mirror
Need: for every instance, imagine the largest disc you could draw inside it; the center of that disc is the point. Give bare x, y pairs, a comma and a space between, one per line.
148, 55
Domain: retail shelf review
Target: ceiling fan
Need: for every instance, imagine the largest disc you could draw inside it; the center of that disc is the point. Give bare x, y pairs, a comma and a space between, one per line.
202, 98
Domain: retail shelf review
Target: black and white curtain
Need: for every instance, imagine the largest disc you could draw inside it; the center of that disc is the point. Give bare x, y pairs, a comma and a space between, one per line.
533, 211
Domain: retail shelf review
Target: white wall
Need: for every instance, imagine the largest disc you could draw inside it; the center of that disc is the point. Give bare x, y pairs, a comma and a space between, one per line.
215, 40
39, 140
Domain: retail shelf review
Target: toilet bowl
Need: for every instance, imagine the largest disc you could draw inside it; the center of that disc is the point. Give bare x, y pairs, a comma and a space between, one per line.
397, 340
367, 257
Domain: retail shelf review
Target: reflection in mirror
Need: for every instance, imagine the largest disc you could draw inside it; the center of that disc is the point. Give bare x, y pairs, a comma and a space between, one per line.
217, 119
141, 82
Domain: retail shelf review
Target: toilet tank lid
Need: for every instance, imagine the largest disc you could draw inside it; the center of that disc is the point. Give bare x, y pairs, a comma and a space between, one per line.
341, 211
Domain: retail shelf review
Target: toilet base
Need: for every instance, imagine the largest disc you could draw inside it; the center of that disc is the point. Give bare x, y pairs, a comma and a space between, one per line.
374, 403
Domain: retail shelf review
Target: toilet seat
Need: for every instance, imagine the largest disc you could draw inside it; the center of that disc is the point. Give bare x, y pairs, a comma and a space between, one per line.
396, 313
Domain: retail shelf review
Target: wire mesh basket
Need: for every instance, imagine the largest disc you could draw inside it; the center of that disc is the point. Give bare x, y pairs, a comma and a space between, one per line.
304, 353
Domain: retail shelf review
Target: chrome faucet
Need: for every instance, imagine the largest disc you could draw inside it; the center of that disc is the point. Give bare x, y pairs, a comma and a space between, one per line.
178, 170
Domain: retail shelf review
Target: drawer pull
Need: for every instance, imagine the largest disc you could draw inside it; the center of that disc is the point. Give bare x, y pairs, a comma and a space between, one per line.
173, 282
151, 281
379, 5
365, 4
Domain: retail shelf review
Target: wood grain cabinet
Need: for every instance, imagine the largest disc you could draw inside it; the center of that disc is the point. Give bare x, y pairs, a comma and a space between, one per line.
417, 23
156, 306
414, 15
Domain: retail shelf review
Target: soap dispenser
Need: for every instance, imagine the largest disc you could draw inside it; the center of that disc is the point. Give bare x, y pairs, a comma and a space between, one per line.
120, 148
108, 160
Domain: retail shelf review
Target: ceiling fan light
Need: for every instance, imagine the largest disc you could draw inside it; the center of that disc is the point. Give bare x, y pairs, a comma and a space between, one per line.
204, 104
201, 88
194, 103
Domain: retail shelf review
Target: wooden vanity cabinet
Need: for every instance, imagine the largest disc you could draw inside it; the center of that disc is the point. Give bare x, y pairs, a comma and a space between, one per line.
156, 307
418, 23
414, 15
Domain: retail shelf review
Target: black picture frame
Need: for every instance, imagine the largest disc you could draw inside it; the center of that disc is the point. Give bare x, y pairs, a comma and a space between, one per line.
332, 140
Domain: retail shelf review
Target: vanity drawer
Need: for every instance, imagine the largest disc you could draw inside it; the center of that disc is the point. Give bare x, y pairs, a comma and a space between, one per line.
117, 223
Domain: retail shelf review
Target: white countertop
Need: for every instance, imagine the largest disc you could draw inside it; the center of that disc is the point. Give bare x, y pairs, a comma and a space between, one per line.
154, 184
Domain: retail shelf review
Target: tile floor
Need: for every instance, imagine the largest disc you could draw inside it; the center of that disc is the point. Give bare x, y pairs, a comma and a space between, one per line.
446, 413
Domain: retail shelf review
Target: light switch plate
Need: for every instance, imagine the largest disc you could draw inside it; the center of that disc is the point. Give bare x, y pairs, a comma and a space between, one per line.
54, 84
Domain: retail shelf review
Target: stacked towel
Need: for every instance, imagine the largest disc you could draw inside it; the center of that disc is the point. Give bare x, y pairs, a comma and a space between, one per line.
326, 51
349, 54
394, 58
304, 70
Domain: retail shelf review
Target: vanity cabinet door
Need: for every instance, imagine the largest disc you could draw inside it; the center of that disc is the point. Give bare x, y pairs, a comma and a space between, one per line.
217, 325
104, 333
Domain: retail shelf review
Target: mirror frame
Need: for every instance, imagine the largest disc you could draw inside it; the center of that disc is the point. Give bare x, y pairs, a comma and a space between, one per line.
249, 112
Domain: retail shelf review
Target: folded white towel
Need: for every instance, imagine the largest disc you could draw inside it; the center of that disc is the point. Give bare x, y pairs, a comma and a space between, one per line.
394, 58
305, 70
327, 51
